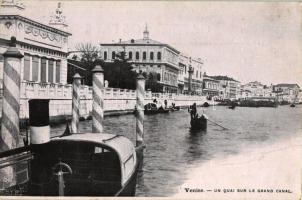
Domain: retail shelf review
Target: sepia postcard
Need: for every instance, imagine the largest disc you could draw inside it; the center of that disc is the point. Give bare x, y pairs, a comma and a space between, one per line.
166, 99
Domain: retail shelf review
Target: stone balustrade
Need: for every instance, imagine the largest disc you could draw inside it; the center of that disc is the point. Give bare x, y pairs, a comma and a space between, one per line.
114, 99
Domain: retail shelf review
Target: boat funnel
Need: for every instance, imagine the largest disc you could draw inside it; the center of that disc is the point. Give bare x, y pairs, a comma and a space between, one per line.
39, 121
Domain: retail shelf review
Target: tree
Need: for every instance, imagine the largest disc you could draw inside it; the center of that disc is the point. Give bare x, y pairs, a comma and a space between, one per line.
152, 82
89, 55
119, 74
89, 52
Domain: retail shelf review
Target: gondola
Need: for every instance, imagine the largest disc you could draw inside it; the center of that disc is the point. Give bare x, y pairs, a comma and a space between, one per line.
199, 123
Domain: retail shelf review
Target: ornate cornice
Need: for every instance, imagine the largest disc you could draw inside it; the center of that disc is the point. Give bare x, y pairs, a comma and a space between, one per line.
37, 24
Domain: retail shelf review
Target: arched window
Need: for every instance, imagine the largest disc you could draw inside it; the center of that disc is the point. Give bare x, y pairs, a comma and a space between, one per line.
137, 55
113, 55
130, 55
151, 55
105, 55
158, 55
144, 55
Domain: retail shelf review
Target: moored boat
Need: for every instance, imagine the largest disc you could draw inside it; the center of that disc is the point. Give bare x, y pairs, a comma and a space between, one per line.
84, 165
151, 108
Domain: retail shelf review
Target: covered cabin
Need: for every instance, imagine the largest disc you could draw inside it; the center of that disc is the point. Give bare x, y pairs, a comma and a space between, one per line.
92, 165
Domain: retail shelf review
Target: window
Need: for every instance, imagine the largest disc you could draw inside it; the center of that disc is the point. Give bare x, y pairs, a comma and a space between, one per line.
26, 72
151, 55
158, 55
144, 55
105, 55
200, 75
50, 71
58, 71
137, 55
130, 55
196, 73
113, 55
35, 68
43, 70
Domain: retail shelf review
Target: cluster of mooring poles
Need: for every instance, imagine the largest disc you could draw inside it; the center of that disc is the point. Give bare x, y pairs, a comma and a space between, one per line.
39, 110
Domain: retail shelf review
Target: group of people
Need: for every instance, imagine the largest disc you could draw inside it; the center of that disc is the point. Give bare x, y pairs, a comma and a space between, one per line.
165, 103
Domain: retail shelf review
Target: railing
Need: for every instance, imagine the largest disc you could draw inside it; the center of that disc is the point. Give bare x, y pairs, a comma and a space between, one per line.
30, 90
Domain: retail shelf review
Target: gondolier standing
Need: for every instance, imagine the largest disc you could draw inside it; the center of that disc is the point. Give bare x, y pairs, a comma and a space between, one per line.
193, 111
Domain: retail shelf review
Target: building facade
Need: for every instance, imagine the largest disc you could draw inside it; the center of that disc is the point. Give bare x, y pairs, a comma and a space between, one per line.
196, 65
44, 46
287, 92
149, 56
211, 87
229, 87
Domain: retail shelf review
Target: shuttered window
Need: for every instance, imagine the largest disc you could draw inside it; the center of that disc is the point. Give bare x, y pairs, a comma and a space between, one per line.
43, 70
58, 71
26, 71
50, 71
35, 68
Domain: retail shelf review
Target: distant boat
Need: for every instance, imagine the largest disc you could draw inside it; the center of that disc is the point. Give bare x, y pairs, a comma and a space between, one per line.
175, 108
206, 104
151, 108
84, 165
199, 123
292, 105
232, 107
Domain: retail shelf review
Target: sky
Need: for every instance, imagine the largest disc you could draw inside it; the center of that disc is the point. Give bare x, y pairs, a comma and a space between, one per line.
249, 41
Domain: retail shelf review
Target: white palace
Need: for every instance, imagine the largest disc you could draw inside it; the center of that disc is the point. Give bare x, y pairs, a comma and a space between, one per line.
44, 46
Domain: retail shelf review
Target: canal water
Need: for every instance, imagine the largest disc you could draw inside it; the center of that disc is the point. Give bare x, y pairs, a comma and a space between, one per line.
172, 150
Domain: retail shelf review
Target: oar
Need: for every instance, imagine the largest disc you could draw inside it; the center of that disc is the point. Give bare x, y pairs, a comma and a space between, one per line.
218, 124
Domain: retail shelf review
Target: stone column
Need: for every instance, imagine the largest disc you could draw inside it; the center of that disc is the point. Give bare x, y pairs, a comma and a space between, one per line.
191, 70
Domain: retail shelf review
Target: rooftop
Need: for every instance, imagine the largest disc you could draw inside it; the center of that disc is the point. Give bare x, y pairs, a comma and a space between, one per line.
146, 41
287, 85
223, 78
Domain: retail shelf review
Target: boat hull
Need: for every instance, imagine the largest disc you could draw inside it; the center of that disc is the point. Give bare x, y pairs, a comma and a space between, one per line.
199, 124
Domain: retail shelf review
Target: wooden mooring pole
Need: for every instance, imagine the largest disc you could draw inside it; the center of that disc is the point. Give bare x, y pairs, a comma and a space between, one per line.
75, 103
9, 138
98, 102
140, 98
